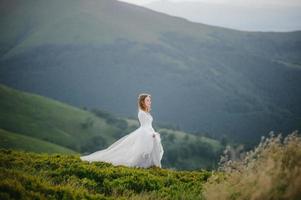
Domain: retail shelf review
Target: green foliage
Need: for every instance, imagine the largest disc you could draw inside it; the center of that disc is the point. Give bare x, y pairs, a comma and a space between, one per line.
57, 176
270, 171
121, 124
87, 123
193, 153
186, 151
23, 142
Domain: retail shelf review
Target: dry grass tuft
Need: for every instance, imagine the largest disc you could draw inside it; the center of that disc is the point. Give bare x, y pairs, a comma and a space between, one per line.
271, 171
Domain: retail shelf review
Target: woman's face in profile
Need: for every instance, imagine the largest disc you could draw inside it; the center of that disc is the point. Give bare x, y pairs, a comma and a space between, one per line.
147, 102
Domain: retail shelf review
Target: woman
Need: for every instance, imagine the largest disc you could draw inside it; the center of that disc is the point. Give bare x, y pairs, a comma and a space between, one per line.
140, 148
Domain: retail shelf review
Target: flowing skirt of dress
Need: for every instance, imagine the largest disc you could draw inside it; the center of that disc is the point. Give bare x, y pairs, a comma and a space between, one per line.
136, 149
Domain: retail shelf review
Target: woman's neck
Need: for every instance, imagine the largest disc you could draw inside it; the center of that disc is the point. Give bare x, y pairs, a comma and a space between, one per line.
145, 110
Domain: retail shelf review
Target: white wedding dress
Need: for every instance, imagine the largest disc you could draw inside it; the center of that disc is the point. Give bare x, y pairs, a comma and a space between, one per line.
136, 149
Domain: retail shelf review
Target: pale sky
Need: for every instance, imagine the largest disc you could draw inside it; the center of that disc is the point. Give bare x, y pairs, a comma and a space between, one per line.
250, 15
230, 2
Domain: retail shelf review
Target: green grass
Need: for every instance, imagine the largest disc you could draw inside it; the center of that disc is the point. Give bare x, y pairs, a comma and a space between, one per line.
57, 176
50, 120
11, 140
270, 171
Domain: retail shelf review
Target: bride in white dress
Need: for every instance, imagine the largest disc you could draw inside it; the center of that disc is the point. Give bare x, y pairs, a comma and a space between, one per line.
140, 148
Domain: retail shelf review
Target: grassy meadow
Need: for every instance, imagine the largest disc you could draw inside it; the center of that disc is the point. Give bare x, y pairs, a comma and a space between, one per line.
271, 171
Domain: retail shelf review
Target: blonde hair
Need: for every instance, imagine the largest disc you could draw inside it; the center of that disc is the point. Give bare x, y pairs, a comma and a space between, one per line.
141, 98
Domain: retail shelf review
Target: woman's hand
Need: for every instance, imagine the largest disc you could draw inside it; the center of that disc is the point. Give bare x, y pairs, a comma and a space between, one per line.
156, 133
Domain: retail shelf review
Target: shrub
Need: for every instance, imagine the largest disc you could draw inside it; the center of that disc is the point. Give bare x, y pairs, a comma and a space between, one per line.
271, 171
25, 175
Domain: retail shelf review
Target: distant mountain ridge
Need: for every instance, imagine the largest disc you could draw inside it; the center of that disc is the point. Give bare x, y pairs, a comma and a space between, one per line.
203, 79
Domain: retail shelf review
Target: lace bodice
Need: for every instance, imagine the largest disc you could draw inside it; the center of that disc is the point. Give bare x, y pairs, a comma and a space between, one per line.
145, 120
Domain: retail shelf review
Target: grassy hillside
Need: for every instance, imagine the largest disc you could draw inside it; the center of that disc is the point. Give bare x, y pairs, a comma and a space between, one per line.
271, 171
202, 78
35, 123
57, 176
50, 120
22, 142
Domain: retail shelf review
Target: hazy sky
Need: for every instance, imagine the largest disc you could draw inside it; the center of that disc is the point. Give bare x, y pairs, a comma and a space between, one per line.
251, 15
230, 2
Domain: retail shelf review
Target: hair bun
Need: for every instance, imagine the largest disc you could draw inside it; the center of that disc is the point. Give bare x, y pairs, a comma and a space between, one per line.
143, 94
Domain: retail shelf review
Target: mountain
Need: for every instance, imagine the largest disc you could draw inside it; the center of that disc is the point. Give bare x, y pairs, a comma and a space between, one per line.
206, 80
34, 123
